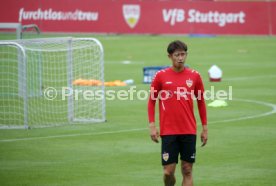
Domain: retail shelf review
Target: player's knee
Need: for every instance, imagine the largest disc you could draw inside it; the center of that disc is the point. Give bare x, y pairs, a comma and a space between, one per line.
168, 173
187, 169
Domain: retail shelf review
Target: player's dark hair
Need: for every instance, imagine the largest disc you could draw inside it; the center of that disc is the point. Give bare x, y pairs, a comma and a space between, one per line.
176, 45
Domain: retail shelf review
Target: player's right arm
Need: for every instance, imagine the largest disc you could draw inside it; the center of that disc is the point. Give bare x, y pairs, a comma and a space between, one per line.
154, 90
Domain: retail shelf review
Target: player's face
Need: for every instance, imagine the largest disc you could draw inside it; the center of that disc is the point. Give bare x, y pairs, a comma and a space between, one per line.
178, 58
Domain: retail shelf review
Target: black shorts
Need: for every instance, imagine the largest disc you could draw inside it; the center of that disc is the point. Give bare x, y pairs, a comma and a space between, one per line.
173, 145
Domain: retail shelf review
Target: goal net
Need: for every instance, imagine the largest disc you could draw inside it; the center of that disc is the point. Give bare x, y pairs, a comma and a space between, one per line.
37, 82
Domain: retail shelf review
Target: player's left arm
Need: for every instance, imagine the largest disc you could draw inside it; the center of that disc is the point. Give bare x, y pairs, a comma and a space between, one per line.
199, 91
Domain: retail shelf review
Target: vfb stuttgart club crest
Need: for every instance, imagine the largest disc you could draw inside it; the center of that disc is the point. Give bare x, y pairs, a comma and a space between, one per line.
189, 83
131, 14
165, 156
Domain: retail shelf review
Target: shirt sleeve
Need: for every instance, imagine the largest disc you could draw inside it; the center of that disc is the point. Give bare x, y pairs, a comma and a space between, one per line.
154, 90
199, 93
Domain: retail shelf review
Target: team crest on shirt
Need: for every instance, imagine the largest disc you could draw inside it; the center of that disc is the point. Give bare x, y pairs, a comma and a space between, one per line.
165, 156
189, 83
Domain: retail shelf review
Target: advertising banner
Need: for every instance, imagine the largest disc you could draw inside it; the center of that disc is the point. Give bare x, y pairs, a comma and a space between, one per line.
144, 17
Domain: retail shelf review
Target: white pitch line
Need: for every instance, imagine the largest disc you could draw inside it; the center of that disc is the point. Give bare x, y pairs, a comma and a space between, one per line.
128, 62
273, 111
248, 77
72, 135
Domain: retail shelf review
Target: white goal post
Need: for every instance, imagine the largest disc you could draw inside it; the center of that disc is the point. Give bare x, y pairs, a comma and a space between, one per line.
37, 78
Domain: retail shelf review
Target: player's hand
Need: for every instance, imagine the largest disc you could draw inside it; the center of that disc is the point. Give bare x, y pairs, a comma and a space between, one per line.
154, 134
204, 137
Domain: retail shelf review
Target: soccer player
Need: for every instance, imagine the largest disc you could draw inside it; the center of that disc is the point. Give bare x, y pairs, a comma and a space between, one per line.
176, 87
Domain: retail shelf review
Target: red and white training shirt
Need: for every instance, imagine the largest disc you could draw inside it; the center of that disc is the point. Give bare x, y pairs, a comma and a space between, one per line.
176, 92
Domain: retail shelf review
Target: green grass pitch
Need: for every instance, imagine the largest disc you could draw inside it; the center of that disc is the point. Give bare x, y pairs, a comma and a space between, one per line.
241, 149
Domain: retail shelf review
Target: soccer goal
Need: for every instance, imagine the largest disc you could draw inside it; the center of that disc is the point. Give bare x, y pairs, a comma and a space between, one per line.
37, 82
